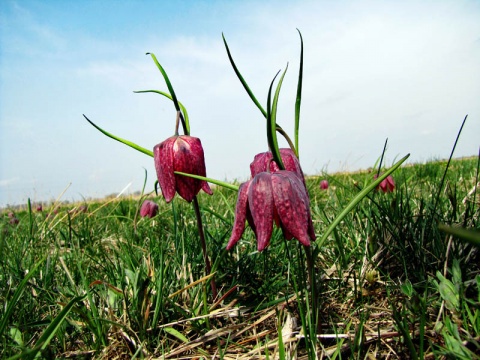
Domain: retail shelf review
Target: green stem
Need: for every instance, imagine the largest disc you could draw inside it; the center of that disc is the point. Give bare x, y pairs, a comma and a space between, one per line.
313, 285
208, 267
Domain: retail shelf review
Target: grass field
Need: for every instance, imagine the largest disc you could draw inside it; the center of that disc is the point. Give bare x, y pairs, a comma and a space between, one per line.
101, 282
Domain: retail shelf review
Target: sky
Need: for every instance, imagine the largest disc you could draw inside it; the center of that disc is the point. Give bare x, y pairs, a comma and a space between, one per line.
407, 71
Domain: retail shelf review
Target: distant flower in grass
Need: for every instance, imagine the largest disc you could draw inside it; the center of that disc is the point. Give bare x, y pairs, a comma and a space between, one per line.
264, 162
387, 185
324, 184
14, 221
11, 214
185, 154
281, 197
39, 208
149, 209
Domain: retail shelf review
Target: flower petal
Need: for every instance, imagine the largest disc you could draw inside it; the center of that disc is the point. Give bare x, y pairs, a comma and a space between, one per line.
291, 162
189, 158
259, 163
260, 201
292, 203
240, 214
163, 159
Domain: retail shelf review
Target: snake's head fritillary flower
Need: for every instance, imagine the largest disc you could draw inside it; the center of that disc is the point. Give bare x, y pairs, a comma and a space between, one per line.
39, 208
185, 154
324, 184
278, 197
264, 162
387, 185
149, 208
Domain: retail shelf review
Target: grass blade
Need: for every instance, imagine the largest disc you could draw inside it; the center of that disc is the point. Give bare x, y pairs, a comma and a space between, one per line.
440, 189
472, 236
51, 330
16, 296
123, 141
356, 200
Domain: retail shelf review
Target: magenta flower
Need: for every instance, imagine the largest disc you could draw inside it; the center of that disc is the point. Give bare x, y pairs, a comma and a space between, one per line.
149, 208
264, 162
387, 185
14, 221
39, 208
180, 153
279, 196
324, 184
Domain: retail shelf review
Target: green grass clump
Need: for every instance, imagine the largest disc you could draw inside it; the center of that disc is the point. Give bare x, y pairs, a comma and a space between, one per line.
106, 283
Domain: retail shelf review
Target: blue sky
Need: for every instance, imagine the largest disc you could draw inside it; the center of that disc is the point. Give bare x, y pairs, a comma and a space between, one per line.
405, 70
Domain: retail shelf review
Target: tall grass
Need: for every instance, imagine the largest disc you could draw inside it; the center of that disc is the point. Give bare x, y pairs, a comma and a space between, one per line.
107, 283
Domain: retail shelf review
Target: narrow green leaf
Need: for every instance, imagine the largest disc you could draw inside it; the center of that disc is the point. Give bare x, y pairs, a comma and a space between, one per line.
298, 101
470, 235
52, 329
16, 335
281, 345
356, 200
242, 80
210, 180
448, 292
273, 119
16, 296
123, 141
252, 97
271, 126
186, 127
182, 107
176, 333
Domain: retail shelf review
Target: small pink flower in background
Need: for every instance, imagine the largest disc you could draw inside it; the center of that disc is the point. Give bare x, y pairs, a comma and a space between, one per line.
324, 184
11, 215
14, 221
83, 208
278, 197
387, 185
39, 208
264, 162
149, 208
185, 154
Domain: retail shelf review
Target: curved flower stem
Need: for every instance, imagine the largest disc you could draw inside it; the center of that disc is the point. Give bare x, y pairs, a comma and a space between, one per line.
208, 267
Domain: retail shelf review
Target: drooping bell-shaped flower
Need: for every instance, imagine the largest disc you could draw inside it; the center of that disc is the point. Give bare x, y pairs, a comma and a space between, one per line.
264, 162
281, 197
149, 208
387, 184
324, 185
185, 154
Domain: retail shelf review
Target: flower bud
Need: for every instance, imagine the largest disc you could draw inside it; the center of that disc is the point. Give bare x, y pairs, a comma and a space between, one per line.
324, 184
149, 208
